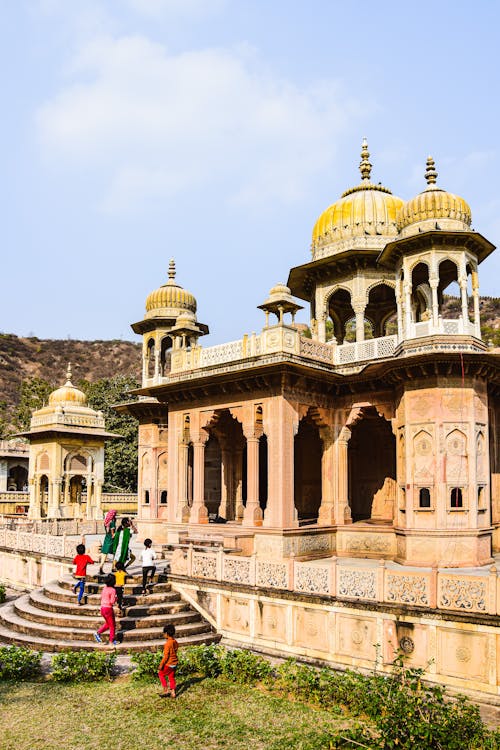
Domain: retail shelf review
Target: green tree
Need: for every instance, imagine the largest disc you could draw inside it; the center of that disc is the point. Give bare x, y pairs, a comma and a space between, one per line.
33, 394
120, 462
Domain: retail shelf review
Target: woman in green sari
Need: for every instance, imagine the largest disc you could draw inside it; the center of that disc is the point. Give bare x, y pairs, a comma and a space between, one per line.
107, 542
121, 543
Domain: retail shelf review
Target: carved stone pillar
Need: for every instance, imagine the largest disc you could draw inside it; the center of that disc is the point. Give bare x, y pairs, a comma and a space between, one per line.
238, 483
326, 515
433, 283
199, 512
226, 488
359, 307
475, 295
157, 363
465, 311
54, 498
408, 321
343, 514
282, 425
322, 328
252, 515
183, 481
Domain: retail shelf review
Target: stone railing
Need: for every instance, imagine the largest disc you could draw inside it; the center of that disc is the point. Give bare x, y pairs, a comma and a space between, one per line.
47, 545
359, 351
446, 326
351, 580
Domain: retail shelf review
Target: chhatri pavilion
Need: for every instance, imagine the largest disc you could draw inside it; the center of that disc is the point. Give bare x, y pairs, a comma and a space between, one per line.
381, 446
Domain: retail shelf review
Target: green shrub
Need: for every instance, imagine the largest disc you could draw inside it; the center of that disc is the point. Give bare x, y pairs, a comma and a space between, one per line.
147, 664
244, 667
298, 679
3, 593
204, 661
19, 663
82, 666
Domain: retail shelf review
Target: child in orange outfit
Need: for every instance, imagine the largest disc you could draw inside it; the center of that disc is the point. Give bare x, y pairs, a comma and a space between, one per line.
169, 662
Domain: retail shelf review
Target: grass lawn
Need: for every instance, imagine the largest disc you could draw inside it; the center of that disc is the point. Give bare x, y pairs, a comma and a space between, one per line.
123, 715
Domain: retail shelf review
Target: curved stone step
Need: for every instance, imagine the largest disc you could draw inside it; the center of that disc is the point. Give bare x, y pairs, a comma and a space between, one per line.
40, 600
132, 587
45, 644
54, 590
14, 621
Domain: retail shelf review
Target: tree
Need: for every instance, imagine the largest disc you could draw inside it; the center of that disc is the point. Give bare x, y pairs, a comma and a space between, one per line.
120, 462
33, 394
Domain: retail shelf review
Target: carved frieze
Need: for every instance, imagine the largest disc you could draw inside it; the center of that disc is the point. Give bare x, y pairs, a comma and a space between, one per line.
407, 589
357, 584
457, 593
311, 578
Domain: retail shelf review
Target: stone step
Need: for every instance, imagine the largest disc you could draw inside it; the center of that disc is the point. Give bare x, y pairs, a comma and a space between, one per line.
89, 617
54, 590
10, 618
51, 646
131, 587
40, 600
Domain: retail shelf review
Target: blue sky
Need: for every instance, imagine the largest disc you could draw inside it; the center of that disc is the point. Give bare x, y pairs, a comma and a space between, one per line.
215, 132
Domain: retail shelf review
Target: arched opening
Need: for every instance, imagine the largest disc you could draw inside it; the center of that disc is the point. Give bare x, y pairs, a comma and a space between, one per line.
381, 308
163, 497
372, 469
165, 355
190, 470
421, 295
212, 475
263, 473
424, 497
17, 480
76, 488
450, 305
308, 449
340, 311
146, 497
44, 495
151, 359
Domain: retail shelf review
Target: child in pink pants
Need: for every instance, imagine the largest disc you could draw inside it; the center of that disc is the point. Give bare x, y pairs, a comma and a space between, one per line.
108, 600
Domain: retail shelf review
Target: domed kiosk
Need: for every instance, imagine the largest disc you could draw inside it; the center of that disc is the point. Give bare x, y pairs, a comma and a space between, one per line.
66, 463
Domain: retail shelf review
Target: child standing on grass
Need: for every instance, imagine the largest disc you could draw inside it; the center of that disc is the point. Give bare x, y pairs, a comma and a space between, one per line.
80, 561
108, 600
148, 557
120, 576
169, 662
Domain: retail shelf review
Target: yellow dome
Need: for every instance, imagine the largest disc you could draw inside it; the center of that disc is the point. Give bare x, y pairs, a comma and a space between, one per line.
367, 209
67, 394
170, 299
434, 203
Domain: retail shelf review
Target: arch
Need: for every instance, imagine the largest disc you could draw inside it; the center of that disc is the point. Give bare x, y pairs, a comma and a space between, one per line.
308, 449
421, 295
213, 465
340, 310
150, 358
77, 486
18, 478
43, 494
381, 306
78, 463
43, 461
263, 471
456, 458
165, 355
372, 467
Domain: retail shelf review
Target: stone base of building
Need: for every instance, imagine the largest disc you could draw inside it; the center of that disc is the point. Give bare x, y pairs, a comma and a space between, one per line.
443, 549
459, 650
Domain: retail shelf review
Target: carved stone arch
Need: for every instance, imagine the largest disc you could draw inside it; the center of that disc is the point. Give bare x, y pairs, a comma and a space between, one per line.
420, 259
43, 461
456, 442
162, 469
380, 282
332, 290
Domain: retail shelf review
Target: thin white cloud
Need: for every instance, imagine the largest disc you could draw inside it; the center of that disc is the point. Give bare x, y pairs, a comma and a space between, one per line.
153, 124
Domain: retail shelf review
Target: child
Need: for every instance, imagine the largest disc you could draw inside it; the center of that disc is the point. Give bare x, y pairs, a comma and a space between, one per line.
120, 576
108, 600
81, 560
169, 662
148, 556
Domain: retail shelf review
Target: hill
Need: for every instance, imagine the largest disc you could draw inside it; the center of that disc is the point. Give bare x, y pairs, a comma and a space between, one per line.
22, 359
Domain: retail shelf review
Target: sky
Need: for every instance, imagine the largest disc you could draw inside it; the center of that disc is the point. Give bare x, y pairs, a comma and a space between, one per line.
215, 132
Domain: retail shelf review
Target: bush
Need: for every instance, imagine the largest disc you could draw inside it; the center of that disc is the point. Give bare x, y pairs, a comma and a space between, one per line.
3, 593
19, 663
244, 667
204, 661
147, 664
82, 666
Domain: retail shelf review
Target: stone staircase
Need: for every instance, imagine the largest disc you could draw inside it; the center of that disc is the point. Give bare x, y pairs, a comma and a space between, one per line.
50, 619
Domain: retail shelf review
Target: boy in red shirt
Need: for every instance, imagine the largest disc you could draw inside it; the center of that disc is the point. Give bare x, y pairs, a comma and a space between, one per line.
81, 561
169, 661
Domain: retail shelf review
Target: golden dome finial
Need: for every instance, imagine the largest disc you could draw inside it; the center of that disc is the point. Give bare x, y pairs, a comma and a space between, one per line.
431, 173
68, 374
171, 270
364, 166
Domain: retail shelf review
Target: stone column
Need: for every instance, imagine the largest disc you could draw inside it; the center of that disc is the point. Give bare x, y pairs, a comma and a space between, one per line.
157, 363
343, 514
199, 512
326, 515
465, 311
34, 511
408, 321
359, 307
226, 489
475, 295
252, 515
238, 483
433, 283
280, 511
98, 500
183, 449
322, 328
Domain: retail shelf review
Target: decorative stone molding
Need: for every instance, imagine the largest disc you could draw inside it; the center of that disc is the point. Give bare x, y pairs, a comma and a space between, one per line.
407, 589
272, 574
311, 579
356, 583
464, 595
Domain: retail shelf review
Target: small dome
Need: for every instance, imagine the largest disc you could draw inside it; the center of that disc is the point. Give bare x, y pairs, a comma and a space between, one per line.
170, 299
367, 209
432, 204
186, 317
279, 290
67, 394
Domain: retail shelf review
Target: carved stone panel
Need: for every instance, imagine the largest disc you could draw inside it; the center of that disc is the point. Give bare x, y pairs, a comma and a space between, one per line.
357, 583
356, 637
271, 621
463, 654
310, 628
235, 614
